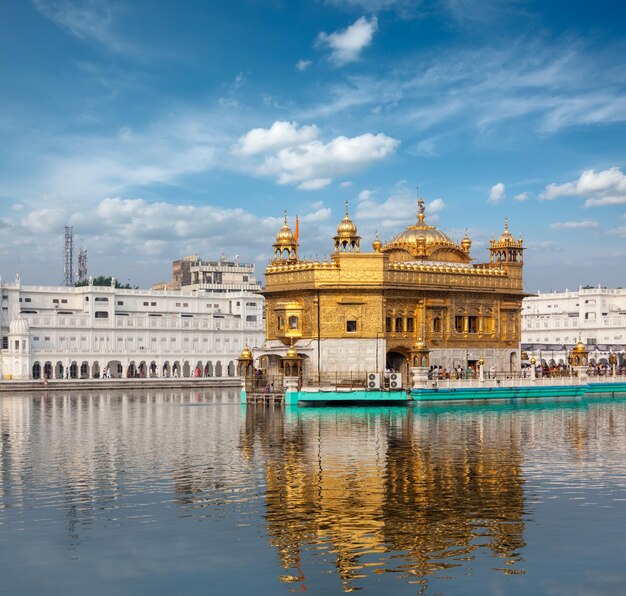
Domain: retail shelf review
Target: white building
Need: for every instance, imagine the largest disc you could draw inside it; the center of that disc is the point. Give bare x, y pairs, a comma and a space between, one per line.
552, 323
223, 275
80, 332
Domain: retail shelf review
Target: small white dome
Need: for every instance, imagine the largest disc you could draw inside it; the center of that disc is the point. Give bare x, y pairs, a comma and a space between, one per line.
19, 326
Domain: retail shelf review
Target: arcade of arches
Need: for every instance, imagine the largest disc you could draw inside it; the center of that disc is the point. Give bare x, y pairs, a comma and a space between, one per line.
114, 369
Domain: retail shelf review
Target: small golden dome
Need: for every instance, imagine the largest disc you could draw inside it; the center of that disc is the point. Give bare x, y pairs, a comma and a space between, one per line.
346, 227
291, 352
377, 244
285, 236
246, 354
580, 346
466, 243
506, 237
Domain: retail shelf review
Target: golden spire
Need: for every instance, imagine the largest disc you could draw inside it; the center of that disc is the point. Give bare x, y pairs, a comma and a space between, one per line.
466, 243
377, 244
420, 211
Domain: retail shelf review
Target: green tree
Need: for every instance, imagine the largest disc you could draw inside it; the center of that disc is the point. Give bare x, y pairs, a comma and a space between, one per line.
105, 280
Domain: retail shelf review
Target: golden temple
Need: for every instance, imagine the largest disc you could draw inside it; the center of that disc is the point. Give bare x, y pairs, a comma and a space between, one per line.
417, 300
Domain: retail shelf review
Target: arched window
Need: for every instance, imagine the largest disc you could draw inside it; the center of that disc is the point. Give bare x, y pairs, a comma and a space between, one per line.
293, 322
437, 325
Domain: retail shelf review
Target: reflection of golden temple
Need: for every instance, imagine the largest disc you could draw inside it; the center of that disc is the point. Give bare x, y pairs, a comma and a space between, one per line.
365, 311
432, 492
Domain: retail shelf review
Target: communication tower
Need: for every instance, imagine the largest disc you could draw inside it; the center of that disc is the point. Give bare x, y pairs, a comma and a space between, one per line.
68, 268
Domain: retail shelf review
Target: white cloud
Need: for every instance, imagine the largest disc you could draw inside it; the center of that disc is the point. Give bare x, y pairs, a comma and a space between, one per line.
311, 163
302, 65
346, 184
425, 148
523, 196
396, 209
346, 45
436, 205
496, 194
278, 136
574, 225
135, 238
404, 8
607, 187
314, 184
619, 231
90, 20
550, 86
320, 214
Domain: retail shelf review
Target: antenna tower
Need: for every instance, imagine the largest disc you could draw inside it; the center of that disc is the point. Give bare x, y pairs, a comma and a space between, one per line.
68, 252
82, 265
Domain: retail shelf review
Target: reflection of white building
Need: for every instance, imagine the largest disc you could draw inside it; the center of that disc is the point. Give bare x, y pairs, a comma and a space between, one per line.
552, 323
78, 332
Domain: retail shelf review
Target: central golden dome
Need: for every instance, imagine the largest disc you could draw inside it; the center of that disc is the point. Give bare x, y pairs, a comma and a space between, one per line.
430, 234
422, 241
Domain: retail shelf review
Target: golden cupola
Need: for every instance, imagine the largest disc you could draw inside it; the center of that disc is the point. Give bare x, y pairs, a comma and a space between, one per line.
506, 249
286, 245
347, 239
425, 242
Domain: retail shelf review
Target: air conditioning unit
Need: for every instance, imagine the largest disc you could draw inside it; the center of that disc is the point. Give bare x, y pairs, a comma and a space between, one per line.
395, 380
373, 380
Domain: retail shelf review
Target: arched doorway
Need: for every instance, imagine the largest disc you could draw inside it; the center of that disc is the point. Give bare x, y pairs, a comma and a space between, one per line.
513, 362
115, 369
208, 369
36, 370
84, 370
47, 370
186, 369
131, 371
218, 369
397, 361
95, 370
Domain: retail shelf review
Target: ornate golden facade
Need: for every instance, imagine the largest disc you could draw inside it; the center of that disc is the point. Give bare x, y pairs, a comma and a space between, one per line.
420, 287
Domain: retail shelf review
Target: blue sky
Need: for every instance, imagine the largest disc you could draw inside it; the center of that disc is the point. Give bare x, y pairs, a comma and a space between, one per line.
160, 129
